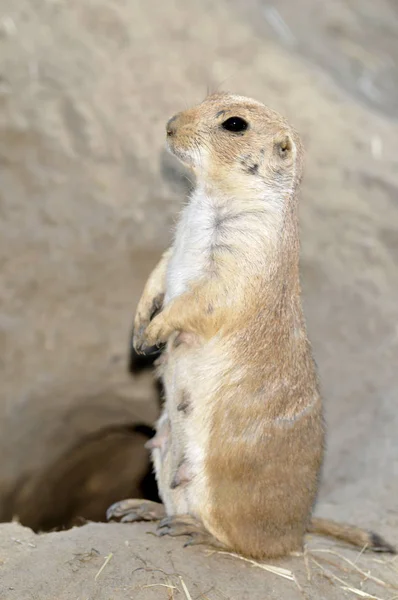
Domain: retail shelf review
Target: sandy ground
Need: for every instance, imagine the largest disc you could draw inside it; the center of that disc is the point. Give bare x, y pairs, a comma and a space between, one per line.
87, 203
122, 562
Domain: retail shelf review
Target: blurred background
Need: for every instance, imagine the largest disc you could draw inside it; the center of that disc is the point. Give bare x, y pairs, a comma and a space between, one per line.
88, 198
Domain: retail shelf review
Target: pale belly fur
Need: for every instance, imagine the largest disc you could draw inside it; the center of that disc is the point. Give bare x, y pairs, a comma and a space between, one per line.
191, 248
192, 372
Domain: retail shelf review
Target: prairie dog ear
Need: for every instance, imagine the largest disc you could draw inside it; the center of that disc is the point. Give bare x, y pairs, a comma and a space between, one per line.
283, 145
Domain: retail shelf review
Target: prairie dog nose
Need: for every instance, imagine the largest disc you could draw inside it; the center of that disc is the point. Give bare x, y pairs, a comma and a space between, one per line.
171, 126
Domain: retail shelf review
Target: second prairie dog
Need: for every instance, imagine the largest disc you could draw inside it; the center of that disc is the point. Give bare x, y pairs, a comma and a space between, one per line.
238, 358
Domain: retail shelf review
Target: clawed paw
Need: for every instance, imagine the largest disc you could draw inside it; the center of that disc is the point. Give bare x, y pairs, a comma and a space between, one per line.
189, 526
146, 312
135, 509
149, 340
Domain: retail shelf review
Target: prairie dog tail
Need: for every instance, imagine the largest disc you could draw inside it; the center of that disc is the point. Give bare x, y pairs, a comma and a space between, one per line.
351, 534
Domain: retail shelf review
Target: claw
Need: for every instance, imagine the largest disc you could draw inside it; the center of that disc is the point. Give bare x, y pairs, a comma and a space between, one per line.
165, 522
114, 511
197, 539
149, 350
161, 532
140, 346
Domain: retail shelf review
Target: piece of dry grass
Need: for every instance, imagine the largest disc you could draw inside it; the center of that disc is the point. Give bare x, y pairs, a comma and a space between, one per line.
165, 585
360, 593
108, 558
279, 571
307, 564
184, 587
360, 553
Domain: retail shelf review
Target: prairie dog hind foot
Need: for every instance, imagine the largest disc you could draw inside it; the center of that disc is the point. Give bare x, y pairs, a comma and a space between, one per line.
187, 525
135, 509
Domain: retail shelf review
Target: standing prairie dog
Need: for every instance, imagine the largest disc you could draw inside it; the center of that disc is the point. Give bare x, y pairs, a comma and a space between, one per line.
242, 398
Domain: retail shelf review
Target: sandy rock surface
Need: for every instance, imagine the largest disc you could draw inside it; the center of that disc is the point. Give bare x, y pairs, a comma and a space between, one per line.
87, 203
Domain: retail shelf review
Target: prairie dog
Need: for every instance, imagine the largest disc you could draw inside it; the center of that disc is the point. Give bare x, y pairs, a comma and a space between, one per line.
238, 356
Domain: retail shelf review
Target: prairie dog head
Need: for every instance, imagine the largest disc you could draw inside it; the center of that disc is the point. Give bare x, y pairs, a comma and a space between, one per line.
237, 146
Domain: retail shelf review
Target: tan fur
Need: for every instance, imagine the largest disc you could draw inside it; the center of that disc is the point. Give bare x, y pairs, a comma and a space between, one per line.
253, 437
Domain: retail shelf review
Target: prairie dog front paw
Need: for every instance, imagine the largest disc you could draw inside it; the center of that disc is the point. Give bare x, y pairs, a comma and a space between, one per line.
156, 334
148, 308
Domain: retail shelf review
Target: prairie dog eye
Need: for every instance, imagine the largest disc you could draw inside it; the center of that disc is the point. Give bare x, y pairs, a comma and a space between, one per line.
235, 124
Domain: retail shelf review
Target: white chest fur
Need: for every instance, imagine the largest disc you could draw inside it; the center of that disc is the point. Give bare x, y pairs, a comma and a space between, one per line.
192, 245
